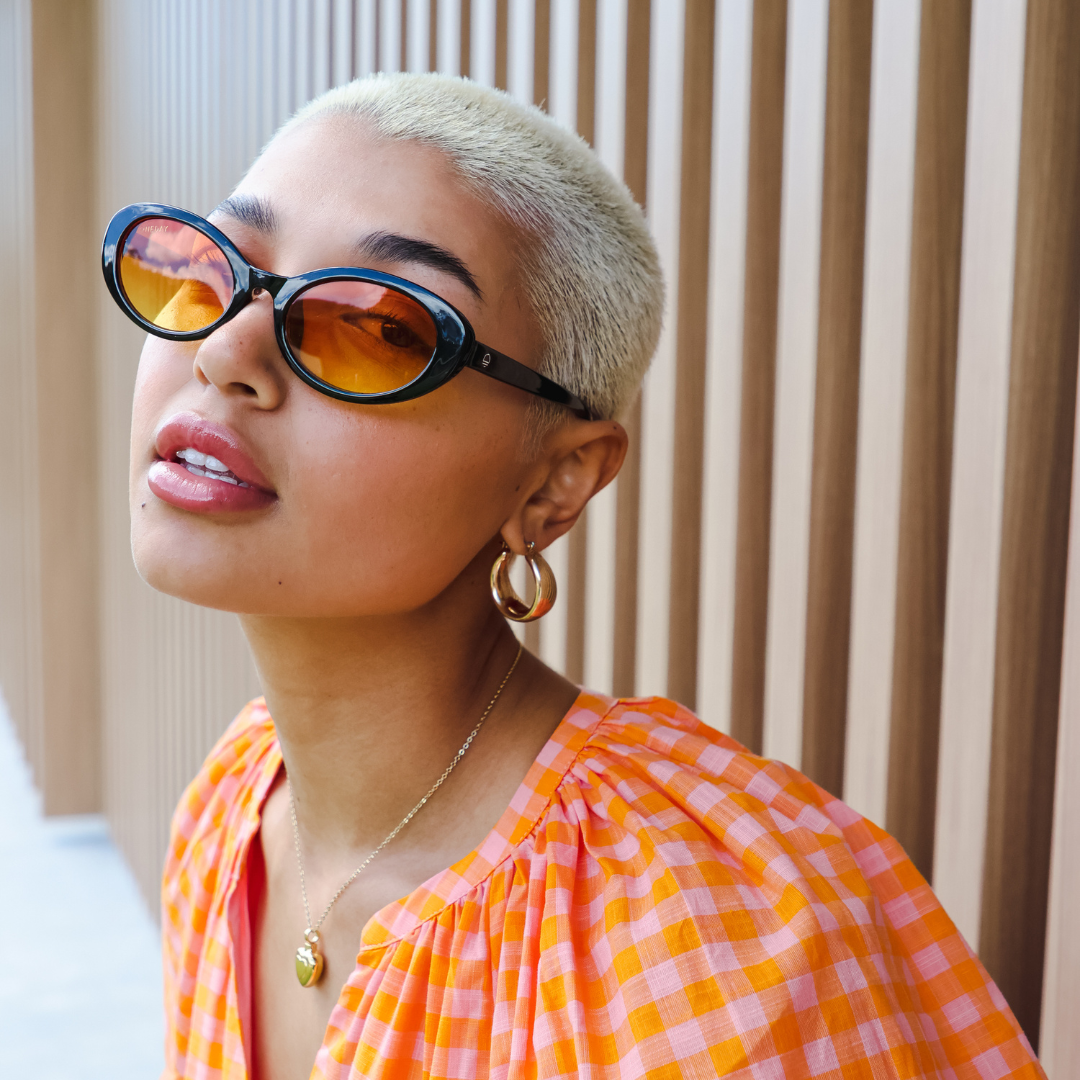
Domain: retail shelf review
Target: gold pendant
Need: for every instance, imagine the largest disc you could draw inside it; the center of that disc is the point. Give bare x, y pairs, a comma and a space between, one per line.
309, 961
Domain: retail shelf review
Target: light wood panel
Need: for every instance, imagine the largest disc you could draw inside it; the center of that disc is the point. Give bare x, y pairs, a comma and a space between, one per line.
723, 360
982, 374
658, 394
20, 607
796, 355
889, 197
64, 268
628, 493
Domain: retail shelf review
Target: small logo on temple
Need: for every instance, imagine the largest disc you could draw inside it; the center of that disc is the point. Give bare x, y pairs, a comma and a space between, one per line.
486, 361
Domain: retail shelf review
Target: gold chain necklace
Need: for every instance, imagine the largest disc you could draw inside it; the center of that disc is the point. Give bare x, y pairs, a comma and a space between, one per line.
309, 958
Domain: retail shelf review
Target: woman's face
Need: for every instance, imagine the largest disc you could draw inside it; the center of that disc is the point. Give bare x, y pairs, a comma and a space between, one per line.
368, 509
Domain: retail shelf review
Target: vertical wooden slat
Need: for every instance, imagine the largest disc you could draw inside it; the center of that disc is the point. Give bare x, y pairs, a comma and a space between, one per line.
890, 181
541, 51
20, 569
1035, 512
836, 392
465, 59
433, 35
658, 394
765, 152
692, 316
66, 249
929, 396
995, 90
628, 503
796, 353
723, 359
502, 21
1059, 1042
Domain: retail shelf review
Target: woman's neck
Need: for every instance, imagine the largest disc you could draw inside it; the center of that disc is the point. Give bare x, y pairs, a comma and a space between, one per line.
370, 711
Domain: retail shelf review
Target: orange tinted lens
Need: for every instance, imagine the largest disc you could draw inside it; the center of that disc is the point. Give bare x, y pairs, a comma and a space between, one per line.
174, 276
360, 337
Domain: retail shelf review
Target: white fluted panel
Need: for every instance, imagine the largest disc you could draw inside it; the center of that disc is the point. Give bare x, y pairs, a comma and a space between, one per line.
448, 37
482, 44
520, 49
995, 92
601, 538
658, 394
365, 43
796, 366
390, 35
724, 348
418, 45
886, 280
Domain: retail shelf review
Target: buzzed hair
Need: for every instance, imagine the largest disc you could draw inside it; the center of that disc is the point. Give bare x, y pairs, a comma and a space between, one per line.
589, 267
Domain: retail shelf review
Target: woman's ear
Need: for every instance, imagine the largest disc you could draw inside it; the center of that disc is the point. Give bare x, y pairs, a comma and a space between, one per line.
582, 458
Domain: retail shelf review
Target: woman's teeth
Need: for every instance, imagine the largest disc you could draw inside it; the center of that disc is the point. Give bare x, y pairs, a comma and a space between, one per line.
205, 465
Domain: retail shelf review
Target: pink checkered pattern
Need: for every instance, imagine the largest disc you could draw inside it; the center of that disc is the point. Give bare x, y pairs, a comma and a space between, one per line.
656, 902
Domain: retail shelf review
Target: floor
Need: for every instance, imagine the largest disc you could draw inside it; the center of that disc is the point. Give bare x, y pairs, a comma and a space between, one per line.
80, 981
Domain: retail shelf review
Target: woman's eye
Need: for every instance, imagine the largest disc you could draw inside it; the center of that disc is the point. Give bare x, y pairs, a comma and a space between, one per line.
397, 334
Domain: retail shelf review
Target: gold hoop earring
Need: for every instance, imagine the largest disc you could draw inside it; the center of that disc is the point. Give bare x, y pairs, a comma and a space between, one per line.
507, 600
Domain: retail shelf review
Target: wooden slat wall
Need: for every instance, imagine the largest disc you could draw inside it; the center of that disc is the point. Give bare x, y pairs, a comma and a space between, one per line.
842, 531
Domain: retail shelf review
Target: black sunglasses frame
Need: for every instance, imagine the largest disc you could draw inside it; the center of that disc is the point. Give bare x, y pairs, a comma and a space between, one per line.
456, 346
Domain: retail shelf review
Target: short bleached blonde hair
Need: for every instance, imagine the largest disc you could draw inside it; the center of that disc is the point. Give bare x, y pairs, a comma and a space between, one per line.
589, 267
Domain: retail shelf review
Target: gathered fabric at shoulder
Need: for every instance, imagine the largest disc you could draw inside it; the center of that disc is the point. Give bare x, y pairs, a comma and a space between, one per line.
659, 902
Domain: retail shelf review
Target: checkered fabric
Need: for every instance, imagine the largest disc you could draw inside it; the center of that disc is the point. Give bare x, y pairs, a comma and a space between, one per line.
655, 902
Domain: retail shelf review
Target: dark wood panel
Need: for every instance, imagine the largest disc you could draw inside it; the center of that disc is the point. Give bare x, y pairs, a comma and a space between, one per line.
836, 394
929, 399
501, 42
466, 37
586, 70
690, 334
1038, 470
764, 165
541, 52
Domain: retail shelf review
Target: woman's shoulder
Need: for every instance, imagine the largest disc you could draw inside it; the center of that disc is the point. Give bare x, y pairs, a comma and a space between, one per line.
682, 778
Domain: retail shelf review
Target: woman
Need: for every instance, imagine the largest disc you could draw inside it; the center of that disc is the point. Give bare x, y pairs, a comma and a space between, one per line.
440, 858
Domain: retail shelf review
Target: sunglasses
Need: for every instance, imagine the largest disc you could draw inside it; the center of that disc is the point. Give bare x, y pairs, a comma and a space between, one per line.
356, 335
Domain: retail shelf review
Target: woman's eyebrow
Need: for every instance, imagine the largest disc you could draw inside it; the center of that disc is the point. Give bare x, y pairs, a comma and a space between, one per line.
393, 247
249, 209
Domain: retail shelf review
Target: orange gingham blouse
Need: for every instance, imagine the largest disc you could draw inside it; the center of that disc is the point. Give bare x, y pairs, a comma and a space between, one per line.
655, 902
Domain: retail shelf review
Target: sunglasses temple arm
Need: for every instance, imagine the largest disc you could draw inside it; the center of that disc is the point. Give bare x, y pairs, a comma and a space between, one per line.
499, 366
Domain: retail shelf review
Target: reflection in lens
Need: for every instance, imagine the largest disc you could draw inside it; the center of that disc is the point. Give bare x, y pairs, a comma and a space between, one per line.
359, 336
174, 276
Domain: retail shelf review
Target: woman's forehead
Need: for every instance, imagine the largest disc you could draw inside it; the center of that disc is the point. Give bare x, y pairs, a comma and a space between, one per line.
331, 184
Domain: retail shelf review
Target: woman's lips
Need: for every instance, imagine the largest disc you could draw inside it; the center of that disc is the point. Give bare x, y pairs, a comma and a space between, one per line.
171, 480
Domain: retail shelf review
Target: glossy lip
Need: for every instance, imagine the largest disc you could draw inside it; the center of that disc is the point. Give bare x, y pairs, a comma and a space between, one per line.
171, 481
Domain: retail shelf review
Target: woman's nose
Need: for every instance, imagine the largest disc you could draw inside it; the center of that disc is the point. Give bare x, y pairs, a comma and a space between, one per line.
242, 358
